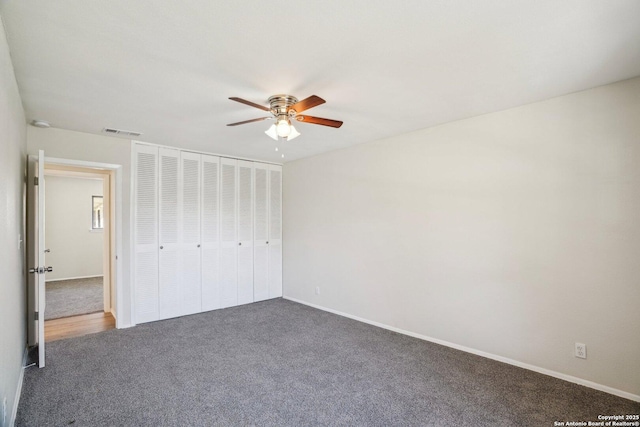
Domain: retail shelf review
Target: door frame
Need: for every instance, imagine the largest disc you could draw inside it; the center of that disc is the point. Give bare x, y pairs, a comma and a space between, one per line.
106, 177
115, 233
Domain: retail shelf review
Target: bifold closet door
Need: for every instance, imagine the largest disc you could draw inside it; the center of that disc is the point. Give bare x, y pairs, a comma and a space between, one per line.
261, 232
245, 232
208, 232
190, 282
168, 232
210, 219
228, 233
275, 231
146, 234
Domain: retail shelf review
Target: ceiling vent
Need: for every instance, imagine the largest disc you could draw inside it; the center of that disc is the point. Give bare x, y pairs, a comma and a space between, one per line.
121, 132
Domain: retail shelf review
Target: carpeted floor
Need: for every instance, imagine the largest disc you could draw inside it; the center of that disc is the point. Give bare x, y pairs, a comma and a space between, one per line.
278, 363
72, 297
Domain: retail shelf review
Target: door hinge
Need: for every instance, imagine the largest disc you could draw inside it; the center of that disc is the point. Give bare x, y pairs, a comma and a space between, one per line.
36, 315
36, 180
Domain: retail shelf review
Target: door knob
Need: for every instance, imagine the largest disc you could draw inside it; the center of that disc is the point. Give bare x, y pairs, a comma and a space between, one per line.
239, 243
161, 247
198, 245
33, 270
48, 269
46, 251
267, 243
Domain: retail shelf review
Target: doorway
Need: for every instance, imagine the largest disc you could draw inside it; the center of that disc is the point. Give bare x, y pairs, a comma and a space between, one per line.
37, 248
79, 290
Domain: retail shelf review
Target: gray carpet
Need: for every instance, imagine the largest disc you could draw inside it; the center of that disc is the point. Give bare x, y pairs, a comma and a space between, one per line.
72, 297
278, 363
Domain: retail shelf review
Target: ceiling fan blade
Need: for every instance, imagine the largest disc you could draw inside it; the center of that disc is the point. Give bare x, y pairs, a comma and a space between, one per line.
305, 104
248, 121
319, 121
251, 104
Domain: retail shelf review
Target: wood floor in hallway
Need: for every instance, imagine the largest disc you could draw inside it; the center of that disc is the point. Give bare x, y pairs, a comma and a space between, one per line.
75, 326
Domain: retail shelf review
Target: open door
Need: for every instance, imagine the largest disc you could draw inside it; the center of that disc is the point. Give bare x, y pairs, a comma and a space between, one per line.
36, 252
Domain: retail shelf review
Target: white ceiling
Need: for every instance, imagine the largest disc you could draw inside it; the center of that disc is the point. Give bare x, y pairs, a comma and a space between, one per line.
166, 68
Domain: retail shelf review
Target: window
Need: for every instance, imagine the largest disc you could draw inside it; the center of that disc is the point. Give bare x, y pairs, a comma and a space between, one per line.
97, 217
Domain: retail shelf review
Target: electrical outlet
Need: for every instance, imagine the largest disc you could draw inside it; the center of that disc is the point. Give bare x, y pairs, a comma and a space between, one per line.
581, 350
317, 290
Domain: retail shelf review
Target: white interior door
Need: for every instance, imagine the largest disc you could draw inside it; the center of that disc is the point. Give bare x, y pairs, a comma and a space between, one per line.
275, 231
210, 232
42, 303
261, 232
169, 233
191, 288
228, 233
245, 232
36, 253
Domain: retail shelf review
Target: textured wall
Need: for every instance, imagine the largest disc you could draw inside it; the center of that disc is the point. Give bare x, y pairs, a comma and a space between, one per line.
514, 233
12, 281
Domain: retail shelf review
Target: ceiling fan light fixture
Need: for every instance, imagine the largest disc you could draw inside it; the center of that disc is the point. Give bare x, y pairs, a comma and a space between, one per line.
283, 128
293, 134
272, 132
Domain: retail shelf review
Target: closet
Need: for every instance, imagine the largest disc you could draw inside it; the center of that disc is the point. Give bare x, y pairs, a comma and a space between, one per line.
207, 232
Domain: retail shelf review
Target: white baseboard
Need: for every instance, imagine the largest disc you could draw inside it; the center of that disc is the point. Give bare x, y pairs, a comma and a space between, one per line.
120, 325
534, 368
73, 278
113, 313
16, 399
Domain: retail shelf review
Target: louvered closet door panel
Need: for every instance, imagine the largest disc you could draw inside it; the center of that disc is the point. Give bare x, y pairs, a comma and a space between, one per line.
146, 234
169, 233
275, 231
245, 232
260, 232
190, 289
210, 232
228, 233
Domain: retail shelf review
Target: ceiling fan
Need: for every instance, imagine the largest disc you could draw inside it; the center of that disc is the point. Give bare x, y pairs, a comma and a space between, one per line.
284, 109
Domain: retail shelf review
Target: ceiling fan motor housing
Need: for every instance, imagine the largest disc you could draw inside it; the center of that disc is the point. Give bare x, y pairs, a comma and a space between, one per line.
280, 106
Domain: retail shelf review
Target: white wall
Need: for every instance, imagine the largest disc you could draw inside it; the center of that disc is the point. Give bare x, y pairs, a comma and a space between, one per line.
76, 250
72, 145
13, 326
515, 233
